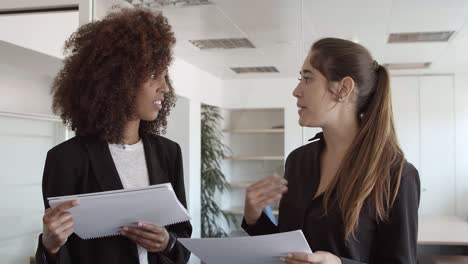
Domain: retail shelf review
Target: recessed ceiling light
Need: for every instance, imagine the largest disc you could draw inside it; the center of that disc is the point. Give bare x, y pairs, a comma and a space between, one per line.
415, 37
407, 66
262, 69
228, 43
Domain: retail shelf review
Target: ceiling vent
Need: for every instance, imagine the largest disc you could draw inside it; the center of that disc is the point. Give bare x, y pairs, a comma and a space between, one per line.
265, 69
159, 4
228, 43
407, 66
417, 37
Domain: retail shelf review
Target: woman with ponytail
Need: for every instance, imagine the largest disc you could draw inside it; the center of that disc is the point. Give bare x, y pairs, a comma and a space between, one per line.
350, 190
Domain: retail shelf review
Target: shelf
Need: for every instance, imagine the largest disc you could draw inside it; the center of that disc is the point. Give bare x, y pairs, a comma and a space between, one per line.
239, 185
255, 158
234, 211
238, 233
240, 211
255, 138
255, 131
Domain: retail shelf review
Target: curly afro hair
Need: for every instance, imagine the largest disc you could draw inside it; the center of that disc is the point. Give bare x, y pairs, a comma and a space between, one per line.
106, 63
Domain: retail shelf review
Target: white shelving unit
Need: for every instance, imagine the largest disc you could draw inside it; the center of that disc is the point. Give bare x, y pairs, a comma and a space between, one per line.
255, 158
256, 140
255, 131
240, 211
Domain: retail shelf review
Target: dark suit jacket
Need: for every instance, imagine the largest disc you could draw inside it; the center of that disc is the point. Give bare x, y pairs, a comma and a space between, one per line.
85, 165
393, 241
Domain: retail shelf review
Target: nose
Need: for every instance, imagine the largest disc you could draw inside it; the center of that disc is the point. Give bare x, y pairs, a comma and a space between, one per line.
296, 92
165, 86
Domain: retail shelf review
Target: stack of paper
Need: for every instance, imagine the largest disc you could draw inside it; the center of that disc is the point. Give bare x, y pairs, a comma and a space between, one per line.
105, 213
247, 250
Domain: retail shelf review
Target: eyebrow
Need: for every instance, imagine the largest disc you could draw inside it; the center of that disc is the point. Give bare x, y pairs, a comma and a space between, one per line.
306, 71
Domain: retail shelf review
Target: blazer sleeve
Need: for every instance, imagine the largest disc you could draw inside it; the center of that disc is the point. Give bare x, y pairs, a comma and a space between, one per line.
178, 254
263, 226
57, 177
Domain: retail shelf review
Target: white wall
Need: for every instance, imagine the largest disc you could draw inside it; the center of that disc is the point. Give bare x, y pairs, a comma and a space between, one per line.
195, 84
24, 142
461, 142
405, 99
437, 127
184, 128
24, 92
59, 25
431, 118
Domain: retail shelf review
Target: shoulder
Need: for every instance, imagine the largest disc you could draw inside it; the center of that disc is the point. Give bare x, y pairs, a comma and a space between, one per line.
163, 141
165, 145
410, 176
72, 150
410, 185
307, 151
64, 168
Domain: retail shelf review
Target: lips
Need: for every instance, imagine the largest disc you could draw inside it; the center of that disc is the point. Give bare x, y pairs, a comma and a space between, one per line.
157, 104
301, 108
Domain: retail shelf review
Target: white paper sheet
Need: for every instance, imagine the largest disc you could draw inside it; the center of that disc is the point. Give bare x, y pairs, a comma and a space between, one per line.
103, 214
247, 250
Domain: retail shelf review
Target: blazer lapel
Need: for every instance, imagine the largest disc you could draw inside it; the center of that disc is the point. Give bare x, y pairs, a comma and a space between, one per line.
154, 158
305, 187
311, 185
105, 172
103, 165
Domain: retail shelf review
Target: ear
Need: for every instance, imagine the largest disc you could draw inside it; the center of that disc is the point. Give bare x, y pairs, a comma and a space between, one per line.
346, 87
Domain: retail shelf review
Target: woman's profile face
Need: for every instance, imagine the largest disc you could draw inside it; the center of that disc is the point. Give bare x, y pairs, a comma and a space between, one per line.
312, 96
150, 97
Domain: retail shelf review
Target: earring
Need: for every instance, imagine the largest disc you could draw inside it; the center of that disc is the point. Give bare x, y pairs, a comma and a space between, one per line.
340, 99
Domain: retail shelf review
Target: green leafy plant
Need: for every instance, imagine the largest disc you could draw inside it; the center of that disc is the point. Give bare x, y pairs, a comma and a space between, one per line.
212, 177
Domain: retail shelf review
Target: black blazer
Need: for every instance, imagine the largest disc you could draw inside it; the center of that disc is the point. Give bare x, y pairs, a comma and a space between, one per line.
393, 241
85, 165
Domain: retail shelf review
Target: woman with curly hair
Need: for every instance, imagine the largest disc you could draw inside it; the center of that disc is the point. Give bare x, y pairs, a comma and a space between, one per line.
114, 92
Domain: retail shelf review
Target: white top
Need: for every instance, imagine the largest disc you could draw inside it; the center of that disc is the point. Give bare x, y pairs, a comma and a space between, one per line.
130, 162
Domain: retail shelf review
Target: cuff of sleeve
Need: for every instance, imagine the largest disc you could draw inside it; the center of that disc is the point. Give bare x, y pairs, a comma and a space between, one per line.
41, 255
250, 229
170, 244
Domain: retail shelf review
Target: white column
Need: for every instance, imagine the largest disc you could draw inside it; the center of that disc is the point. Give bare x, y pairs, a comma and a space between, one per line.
461, 142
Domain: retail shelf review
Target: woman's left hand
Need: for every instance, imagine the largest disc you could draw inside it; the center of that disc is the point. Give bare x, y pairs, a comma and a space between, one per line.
152, 237
320, 257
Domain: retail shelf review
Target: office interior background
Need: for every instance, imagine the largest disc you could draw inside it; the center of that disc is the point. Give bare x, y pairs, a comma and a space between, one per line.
244, 57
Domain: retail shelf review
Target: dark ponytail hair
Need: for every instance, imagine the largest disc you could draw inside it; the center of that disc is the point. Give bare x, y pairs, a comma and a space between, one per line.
366, 172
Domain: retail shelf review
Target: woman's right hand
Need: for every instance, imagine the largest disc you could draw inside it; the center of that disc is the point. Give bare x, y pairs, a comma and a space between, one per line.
262, 193
57, 226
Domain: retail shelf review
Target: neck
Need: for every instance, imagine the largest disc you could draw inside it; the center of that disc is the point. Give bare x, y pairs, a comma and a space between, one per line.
340, 136
130, 133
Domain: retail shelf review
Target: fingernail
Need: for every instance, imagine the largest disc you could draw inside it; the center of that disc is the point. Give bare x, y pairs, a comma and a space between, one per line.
125, 228
140, 224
